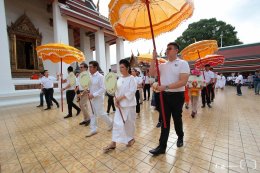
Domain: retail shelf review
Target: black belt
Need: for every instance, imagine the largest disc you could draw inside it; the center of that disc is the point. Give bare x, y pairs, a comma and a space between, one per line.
172, 93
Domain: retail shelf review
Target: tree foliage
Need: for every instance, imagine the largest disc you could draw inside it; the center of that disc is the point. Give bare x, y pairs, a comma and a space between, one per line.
209, 29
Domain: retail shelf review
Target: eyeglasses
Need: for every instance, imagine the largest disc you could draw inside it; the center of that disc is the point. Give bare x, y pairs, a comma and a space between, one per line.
81, 67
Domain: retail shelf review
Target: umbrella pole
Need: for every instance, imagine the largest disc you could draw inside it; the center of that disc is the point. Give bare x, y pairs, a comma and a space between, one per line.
207, 92
157, 65
61, 85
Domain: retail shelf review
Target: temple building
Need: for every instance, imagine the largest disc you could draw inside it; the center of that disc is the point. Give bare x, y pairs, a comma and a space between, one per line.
29, 23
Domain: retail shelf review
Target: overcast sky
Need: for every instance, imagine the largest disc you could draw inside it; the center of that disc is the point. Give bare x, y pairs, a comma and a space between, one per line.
244, 15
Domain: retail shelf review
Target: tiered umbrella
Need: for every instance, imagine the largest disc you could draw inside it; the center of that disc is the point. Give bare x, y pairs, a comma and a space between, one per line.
58, 52
212, 60
134, 19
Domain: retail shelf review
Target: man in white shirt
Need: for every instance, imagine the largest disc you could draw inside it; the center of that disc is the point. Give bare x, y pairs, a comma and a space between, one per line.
174, 75
239, 81
147, 85
205, 92
212, 90
47, 85
96, 95
70, 92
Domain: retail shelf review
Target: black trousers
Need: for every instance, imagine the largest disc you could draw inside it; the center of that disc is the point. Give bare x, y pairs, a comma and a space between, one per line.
212, 92
110, 103
49, 97
41, 98
239, 89
158, 105
70, 94
147, 88
137, 97
173, 103
205, 94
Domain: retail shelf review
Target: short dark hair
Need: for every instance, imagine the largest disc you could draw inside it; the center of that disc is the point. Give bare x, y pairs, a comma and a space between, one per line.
94, 63
85, 65
44, 71
70, 69
211, 68
207, 65
126, 63
174, 44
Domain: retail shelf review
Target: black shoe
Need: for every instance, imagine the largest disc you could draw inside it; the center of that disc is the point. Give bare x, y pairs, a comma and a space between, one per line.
68, 116
47, 109
187, 106
83, 122
209, 106
157, 151
193, 114
203, 106
58, 106
78, 112
158, 124
39, 106
179, 142
87, 123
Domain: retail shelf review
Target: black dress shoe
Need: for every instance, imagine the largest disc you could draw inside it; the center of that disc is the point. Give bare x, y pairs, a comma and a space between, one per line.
158, 124
47, 109
87, 123
83, 122
193, 114
157, 151
179, 142
203, 106
78, 112
39, 106
209, 106
68, 116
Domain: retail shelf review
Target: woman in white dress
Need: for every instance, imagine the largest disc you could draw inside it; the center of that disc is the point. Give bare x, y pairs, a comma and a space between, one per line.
221, 81
125, 102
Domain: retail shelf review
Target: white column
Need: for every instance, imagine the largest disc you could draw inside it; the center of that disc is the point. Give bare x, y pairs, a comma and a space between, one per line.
100, 50
61, 33
85, 46
119, 52
108, 57
72, 43
5, 70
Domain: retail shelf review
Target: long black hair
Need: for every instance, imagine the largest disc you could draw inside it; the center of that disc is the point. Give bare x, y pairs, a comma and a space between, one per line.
126, 64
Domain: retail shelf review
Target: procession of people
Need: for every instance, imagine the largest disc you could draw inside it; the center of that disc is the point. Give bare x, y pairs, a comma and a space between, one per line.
179, 85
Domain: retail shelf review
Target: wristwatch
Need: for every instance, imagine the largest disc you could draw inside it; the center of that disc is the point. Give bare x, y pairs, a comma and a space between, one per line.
167, 87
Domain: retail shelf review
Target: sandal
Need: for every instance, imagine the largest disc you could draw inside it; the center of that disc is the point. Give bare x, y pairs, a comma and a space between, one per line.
108, 148
130, 143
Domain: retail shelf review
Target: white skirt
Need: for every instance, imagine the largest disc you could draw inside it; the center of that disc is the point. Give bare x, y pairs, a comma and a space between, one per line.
123, 133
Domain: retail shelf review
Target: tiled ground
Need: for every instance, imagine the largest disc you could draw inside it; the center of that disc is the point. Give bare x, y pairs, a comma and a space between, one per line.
225, 138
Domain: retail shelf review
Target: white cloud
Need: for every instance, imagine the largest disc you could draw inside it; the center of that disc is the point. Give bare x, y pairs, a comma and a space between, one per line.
244, 15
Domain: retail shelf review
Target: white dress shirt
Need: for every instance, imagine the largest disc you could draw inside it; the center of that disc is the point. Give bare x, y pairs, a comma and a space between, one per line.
239, 78
208, 76
138, 81
97, 85
47, 82
170, 73
68, 82
146, 79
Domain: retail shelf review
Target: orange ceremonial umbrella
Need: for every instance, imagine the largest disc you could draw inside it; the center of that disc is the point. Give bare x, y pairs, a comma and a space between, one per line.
147, 58
199, 49
212, 60
58, 52
134, 19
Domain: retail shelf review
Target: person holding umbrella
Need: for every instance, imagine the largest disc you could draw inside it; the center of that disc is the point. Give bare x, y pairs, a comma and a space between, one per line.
174, 77
205, 93
47, 85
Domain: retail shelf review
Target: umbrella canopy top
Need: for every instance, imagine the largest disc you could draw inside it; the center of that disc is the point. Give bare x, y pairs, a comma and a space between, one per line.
148, 58
56, 52
212, 60
129, 18
200, 48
